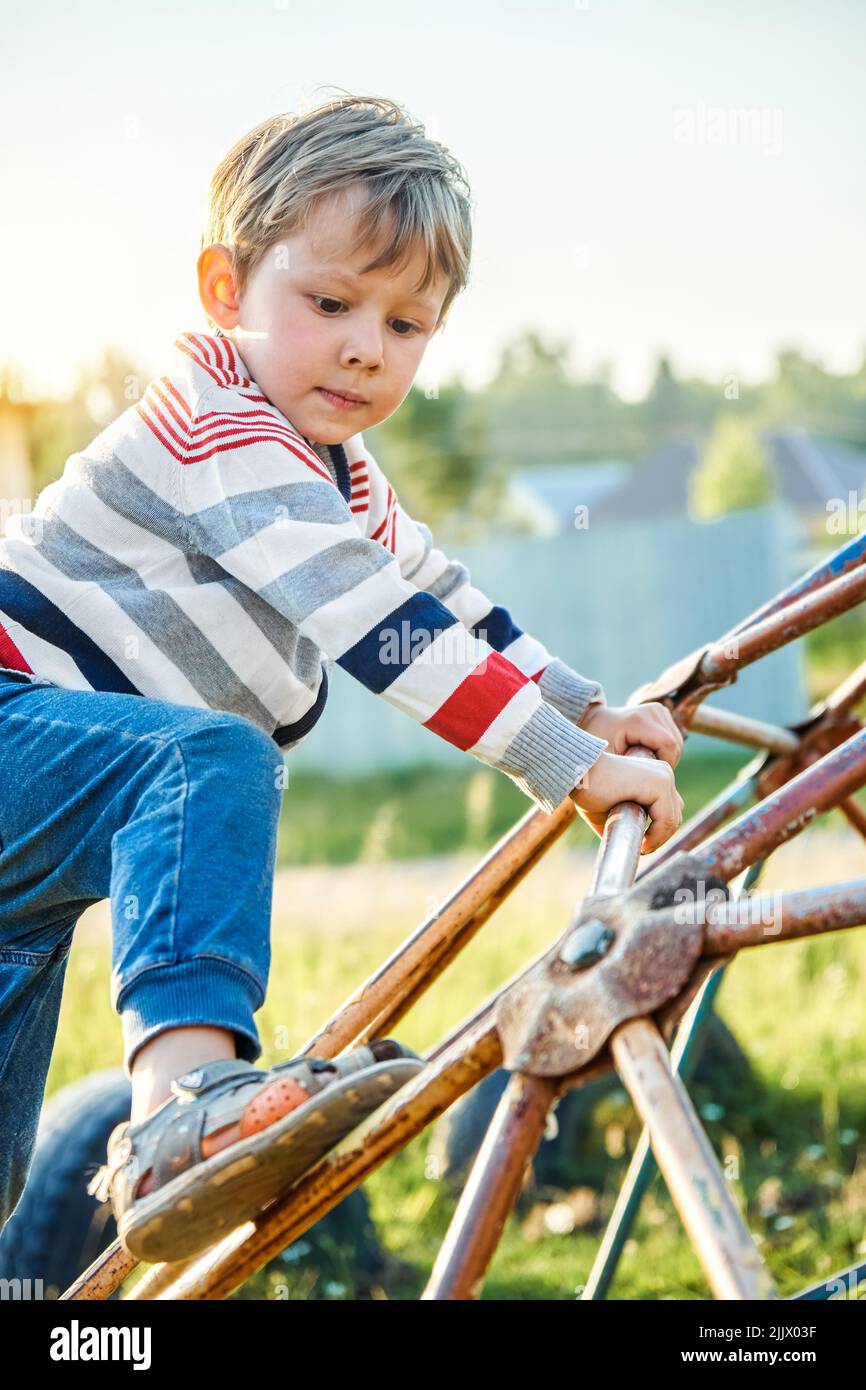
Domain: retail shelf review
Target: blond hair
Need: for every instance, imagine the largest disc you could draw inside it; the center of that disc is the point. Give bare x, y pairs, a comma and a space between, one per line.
271, 180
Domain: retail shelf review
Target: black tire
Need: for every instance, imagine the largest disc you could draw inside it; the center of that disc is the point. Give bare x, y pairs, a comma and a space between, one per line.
57, 1229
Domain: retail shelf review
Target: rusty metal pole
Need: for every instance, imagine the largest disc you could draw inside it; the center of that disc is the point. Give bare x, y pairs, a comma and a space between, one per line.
842, 561
690, 1168
492, 1189
783, 814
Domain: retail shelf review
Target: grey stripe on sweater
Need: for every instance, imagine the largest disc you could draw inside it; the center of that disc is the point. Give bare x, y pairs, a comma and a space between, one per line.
155, 613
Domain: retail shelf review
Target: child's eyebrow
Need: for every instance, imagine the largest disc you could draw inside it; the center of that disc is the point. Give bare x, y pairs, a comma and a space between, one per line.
353, 281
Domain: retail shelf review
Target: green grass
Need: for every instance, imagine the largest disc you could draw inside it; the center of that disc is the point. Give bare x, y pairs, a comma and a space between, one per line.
430, 810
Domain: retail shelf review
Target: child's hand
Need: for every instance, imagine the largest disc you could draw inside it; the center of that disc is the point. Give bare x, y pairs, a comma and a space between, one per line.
648, 781
651, 724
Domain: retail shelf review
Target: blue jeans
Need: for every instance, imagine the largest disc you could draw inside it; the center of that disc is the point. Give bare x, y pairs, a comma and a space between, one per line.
169, 811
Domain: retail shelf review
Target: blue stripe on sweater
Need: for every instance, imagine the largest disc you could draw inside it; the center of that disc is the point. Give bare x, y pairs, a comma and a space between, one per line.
23, 603
497, 628
387, 649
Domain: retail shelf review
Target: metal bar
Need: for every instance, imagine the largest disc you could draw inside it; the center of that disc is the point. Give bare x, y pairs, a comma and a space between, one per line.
682, 1150
849, 694
783, 814
695, 1181
643, 1167
738, 728
842, 561
854, 813
497, 1175
619, 853
103, 1276
735, 797
518, 1124
783, 917
731, 654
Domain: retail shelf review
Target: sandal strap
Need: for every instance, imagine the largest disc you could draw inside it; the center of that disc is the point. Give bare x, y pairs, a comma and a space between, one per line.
213, 1076
308, 1069
179, 1145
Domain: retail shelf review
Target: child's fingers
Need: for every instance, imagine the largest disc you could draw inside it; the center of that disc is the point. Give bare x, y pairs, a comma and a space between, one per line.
653, 725
667, 816
668, 743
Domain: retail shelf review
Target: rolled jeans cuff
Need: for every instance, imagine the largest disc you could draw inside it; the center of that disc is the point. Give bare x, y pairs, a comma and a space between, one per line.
204, 992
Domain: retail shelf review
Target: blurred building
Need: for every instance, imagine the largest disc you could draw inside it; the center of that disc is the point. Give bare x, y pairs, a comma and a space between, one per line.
808, 471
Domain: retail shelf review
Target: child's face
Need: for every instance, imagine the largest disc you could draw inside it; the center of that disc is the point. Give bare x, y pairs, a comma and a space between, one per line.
303, 330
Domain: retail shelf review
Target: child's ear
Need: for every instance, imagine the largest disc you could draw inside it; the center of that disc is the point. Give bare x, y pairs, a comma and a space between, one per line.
216, 285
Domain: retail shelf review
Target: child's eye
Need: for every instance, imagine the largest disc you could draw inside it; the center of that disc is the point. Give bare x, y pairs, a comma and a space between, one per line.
324, 299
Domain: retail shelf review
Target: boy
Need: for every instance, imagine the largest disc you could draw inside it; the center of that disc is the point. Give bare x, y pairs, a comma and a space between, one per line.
215, 550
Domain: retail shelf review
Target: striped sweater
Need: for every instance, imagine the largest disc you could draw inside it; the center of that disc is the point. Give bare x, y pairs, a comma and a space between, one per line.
201, 550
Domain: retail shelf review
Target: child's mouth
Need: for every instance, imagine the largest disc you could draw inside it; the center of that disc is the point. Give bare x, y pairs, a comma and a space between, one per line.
342, 402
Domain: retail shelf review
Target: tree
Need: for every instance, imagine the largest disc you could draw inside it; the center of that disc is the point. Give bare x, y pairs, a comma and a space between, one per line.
528, 357
434, 451
734, 473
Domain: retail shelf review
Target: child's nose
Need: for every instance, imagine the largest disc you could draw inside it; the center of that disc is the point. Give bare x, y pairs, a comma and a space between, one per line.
365, 346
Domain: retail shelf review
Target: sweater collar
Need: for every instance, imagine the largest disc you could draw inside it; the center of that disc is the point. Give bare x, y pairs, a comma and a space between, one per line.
220, 358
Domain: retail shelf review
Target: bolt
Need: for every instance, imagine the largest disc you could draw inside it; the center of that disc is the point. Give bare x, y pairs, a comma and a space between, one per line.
586, 945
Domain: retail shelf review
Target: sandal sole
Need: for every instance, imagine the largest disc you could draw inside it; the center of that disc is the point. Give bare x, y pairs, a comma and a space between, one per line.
199, 1207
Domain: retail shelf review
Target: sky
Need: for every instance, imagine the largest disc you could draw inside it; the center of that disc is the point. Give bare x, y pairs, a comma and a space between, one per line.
622, 202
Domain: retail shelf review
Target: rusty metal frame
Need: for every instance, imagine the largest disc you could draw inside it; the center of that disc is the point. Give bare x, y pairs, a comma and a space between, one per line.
610, 992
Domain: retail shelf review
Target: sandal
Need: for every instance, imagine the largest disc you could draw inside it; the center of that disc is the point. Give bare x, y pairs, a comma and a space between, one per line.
232, 1138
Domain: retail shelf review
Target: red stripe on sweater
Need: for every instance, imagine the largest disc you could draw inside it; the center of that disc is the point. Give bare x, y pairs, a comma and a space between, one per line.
267, 423
169, 385
152, 415
381, 527
196, 357
262, 424
178, 454
10, 655
164, 397
467, 714
255, 418
229, 442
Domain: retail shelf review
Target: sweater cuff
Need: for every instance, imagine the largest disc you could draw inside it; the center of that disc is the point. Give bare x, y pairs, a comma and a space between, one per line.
549, 756
567, 691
